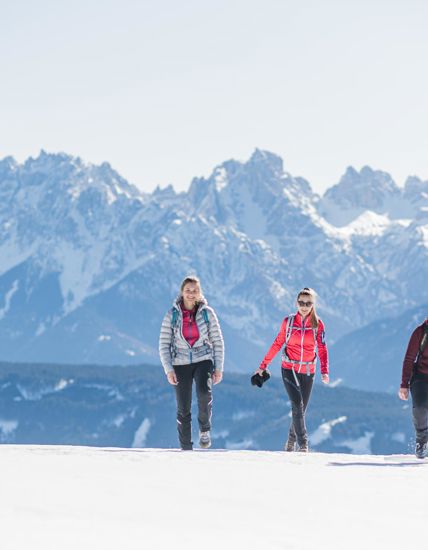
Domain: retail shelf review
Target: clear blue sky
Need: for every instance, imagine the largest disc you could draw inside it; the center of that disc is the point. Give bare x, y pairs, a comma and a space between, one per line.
166, 89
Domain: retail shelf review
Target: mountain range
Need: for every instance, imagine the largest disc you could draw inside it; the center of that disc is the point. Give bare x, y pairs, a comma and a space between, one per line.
89, 264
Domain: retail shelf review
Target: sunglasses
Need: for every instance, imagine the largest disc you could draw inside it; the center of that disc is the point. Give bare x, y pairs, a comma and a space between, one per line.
304, 304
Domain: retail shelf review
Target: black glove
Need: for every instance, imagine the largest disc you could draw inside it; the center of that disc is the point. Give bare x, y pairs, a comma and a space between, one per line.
259, 379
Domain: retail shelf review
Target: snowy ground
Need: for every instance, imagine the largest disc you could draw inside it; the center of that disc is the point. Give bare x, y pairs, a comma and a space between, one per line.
93, 498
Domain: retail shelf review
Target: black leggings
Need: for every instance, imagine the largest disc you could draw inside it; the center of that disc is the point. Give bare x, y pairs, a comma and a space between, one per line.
299, 387
201, 372
419, 391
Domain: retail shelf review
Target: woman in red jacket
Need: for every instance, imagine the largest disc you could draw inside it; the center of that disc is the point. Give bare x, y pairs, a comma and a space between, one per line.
302, 335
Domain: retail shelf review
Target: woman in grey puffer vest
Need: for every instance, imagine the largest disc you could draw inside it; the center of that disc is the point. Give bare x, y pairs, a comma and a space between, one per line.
191, 348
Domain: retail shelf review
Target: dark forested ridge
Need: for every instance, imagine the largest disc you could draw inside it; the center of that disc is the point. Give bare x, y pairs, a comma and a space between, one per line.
135, 406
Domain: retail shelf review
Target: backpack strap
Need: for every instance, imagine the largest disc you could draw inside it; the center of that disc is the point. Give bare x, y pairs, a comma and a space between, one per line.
288, 329
424, 340
285, 358
423, 343
205, 316
315, 331
175, 317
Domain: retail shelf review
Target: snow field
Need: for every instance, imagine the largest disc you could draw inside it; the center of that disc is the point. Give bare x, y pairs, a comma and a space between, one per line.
98, 498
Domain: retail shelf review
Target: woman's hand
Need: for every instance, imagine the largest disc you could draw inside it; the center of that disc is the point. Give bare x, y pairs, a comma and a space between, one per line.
259, 372
403, 393
325, 379
172, 378
217, 377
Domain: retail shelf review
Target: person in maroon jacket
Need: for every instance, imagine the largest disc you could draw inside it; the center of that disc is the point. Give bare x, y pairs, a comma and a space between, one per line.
302, 335
415, 377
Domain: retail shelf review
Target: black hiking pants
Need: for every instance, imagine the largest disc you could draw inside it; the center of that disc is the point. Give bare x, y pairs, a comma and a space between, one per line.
419, 391
299, 387
200, 372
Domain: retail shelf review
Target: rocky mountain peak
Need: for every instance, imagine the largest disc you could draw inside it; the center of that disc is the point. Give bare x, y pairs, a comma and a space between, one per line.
414, 187
267, 162
358, 191
7, 165
88, 268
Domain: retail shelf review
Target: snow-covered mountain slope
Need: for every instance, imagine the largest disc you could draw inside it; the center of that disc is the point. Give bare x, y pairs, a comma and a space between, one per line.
373, 191
79, 497
358, 192
89, 265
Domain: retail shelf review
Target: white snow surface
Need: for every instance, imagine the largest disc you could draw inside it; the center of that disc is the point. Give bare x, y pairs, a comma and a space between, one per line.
367, 223
323, 431
110, 498
8, 426
142, 433
8, 298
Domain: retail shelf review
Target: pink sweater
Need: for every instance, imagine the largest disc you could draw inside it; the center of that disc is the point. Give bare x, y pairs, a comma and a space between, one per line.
189, 327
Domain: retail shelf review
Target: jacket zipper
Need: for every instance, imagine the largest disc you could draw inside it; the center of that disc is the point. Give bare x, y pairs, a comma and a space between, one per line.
190, 335
301, 343
181, 330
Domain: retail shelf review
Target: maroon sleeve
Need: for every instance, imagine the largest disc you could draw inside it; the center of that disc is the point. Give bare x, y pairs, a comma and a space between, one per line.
410, 357
322, 348
276, 346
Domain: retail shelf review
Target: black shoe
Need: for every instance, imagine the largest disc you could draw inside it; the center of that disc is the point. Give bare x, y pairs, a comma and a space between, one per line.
205, 439
303, 448
187, 447
290, 445
421, 450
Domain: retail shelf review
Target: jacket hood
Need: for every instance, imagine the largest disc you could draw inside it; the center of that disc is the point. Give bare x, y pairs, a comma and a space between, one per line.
176, 303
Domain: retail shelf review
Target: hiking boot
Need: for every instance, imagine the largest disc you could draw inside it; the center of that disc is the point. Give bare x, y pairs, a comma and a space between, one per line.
205, 440
303, 448
290, 445
421, 450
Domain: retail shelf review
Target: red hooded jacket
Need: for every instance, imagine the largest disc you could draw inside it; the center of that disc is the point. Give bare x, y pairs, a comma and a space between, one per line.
301, 347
